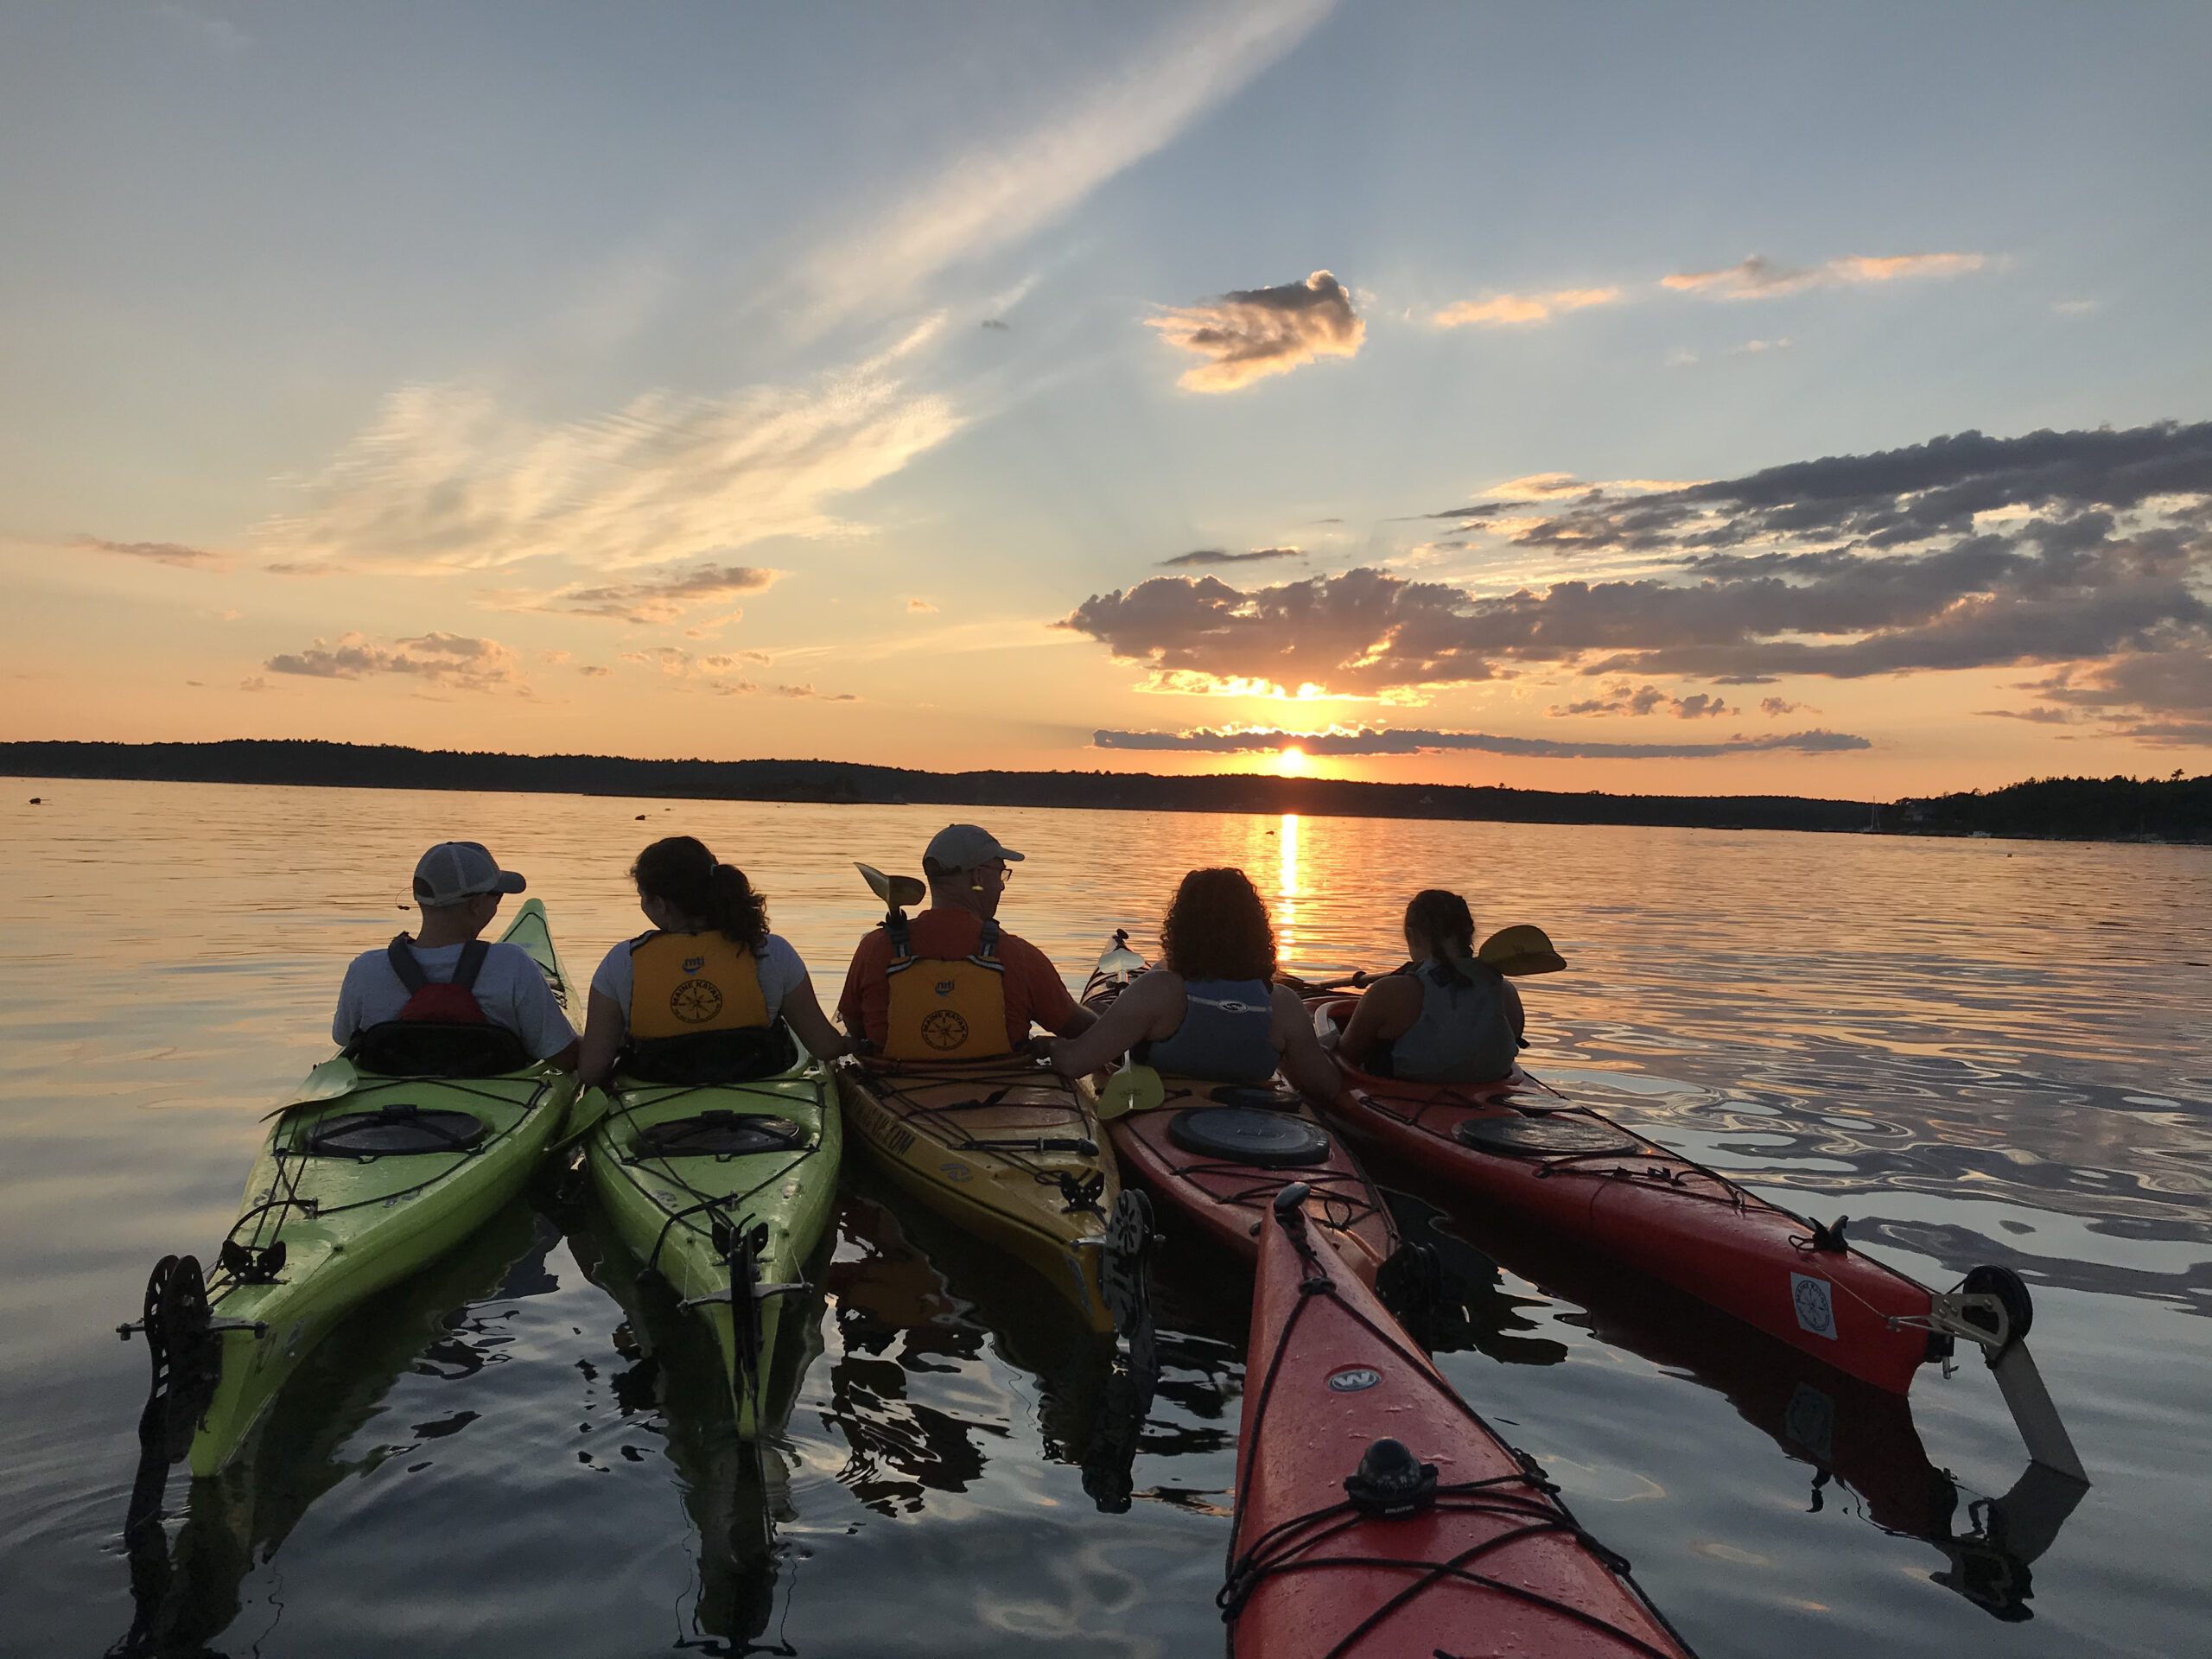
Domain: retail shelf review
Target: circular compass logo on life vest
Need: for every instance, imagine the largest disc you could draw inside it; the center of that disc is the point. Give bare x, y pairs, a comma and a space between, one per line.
944, 1029
695, 1002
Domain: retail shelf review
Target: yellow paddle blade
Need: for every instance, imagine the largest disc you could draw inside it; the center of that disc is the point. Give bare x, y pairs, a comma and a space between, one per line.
896, 890
587, 1109
331, 1078
1132, 1089
1514, 952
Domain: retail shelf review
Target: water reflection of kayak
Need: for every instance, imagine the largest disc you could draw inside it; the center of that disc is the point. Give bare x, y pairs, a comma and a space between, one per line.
1215, 1154
736, 1485
1848, 1432
917, 1295
364, 1179
1437, 1537
185, 1589
1517, 1146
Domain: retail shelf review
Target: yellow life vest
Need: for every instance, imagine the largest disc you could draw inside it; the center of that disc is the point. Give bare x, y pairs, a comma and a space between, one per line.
687, 983
945, 1009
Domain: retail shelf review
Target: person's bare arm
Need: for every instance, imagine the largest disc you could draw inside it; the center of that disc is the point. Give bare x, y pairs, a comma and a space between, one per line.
566, 1059
604, 1029
1305, 1062
1130, 1019
803, 1009
1385, 1011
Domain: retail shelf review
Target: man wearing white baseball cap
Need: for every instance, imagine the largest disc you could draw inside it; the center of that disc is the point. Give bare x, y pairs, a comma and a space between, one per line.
948, 984
446, 973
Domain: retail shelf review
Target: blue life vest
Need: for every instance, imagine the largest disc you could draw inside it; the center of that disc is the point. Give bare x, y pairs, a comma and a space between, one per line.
1465, 1033
1224, 1037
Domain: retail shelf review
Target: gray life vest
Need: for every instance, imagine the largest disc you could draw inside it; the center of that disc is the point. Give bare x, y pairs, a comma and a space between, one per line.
1465, 1033
1224, 1034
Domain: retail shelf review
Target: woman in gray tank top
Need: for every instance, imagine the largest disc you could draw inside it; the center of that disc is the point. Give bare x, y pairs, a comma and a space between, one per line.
1448, 1017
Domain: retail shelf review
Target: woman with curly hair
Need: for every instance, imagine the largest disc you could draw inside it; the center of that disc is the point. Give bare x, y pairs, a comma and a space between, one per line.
709, 964
1212, 1009
1447, 1016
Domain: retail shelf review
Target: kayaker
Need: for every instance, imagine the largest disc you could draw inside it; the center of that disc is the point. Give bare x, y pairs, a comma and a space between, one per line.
1212, 1009
446, 975
710, 963
1447, 1016
950, 983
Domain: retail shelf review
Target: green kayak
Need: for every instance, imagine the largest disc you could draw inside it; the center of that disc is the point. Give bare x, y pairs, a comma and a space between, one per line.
365, 1178
724, 1189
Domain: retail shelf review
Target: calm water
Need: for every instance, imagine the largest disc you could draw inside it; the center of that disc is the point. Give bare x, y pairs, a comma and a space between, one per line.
1982, 1051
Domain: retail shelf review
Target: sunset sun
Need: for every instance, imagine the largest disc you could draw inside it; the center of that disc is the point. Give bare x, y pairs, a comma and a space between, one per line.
1291, 762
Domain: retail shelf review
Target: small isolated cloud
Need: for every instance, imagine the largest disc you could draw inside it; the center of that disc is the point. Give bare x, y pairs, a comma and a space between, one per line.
253, 683
808, 691
1622, 699
1339, 740
680, 664
1760, 278
460, 661
1256, 331
1775, 708
920, 606
1508, 309
175, 553
1222, 555
552, 656
997, 326
593, 670
1753, 347
652, 600
2039, 716
2074, 308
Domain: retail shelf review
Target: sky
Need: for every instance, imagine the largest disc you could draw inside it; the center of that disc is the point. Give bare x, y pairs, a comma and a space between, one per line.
1686, 399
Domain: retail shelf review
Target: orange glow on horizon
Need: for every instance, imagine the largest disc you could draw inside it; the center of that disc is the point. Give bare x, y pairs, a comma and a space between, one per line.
1291, 762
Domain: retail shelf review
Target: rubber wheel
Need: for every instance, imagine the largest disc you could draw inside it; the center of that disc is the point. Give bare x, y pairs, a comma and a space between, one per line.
1238, 1135
1542, 1137
2011, 1291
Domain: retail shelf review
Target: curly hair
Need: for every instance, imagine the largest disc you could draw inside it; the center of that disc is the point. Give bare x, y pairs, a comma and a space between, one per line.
681, 872
1217, 928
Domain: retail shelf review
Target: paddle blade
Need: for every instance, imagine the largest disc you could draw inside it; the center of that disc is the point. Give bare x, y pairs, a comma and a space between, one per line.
1132, 1089
327, 1081
586, 1109
1118, 958
896, 890
1516, 951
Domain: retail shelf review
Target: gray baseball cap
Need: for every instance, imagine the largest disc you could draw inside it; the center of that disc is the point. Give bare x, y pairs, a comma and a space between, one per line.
965, 846
455, 870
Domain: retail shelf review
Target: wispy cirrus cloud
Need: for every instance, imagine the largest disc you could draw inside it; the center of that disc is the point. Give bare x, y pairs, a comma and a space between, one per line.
448, 479
175, 553
1509, 310
1634, 702
1761, 278
1363, 741
463, 661
1206, 556
1256, 331
1013, 183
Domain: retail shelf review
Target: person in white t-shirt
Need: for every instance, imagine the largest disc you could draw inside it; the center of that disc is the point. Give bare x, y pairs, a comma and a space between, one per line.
709, 964
458, 886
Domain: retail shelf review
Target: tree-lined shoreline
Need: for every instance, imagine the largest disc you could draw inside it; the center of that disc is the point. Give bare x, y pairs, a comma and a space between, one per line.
2050, 809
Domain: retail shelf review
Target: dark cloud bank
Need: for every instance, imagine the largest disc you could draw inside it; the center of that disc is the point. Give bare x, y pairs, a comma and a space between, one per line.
1844, 568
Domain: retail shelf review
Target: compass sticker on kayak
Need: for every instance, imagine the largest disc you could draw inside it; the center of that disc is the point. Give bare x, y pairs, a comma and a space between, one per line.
1353, 1378
1814, 1303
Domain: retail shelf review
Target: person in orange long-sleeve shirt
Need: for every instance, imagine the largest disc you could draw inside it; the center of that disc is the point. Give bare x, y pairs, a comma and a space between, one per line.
950, 983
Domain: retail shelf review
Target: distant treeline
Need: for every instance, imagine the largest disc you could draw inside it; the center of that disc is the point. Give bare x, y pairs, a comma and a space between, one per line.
2069, 809
2079, 809
838, 782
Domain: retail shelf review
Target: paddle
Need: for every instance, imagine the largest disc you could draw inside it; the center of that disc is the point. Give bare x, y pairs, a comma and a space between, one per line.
896, 890
333, 1077
1132, 1088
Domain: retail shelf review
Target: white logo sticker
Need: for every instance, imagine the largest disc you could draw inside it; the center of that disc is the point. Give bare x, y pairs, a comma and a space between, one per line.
1351, 1381
1815, 1311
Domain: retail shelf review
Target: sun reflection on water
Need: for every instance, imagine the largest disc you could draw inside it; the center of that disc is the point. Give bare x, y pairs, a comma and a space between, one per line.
1287, 886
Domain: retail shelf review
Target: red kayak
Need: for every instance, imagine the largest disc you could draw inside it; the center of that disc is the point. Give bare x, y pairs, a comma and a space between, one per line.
1217, 1153
1523, 1149
1441, 1540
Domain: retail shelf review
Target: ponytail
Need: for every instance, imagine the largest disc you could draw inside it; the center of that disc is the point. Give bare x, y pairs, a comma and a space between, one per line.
681, 872
1444, 920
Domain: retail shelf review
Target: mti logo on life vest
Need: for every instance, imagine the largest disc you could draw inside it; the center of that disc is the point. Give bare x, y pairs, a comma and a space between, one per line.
693, 964
946, 986
695, 1002
944, 1030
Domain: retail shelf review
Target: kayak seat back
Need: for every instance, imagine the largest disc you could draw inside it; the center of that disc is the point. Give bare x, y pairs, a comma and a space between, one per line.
703, 1058
1239, 1135
425, 1048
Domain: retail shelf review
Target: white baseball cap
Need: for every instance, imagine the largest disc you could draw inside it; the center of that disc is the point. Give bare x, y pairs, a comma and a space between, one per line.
455, 870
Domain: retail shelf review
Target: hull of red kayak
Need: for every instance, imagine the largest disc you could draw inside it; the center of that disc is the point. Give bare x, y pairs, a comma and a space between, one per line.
1493, 1564
1669, 1216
